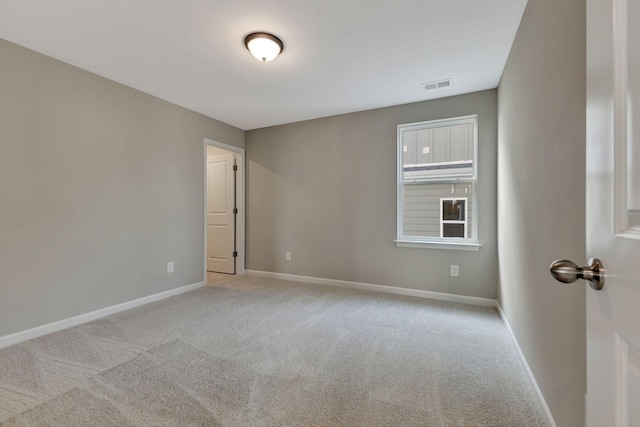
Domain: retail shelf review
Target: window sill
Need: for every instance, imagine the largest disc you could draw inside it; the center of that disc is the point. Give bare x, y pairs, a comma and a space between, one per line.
456, 246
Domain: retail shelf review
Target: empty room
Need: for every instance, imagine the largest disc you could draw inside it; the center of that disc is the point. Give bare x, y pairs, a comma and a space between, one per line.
319, 213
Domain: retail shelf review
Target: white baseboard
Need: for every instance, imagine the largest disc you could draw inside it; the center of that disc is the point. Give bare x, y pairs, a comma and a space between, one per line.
39, 331
547, 411
484, 302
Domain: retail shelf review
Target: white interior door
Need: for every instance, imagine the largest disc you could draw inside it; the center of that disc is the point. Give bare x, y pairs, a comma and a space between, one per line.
613, 205
220, 216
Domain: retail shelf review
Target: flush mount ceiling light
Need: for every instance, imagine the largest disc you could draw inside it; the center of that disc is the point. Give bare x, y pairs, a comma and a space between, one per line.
264, 47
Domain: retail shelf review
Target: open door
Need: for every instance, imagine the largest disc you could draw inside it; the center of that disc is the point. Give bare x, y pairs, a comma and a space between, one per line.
613, 214
221, 213
613, 210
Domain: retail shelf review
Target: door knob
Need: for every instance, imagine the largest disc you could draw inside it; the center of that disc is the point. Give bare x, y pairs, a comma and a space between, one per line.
568, 272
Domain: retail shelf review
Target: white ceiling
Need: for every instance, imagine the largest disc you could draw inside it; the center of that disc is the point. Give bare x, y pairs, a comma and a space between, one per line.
340, 55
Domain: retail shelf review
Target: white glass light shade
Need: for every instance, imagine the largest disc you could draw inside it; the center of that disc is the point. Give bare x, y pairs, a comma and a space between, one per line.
263, 46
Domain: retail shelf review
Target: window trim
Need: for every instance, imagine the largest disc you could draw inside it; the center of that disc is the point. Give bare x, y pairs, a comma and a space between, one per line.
401, 240
437, 245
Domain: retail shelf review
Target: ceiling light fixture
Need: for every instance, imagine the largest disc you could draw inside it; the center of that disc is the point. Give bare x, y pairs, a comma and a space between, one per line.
264, 47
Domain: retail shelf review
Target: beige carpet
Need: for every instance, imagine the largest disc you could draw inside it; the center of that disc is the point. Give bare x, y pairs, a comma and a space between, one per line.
258, 352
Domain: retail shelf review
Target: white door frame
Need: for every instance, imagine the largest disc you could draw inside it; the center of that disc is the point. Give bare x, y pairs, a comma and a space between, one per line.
240, 191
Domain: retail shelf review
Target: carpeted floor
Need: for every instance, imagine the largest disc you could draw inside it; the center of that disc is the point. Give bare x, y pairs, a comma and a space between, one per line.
258, 352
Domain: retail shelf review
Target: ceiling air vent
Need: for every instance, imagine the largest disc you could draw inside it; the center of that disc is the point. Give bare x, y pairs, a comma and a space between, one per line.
437, 84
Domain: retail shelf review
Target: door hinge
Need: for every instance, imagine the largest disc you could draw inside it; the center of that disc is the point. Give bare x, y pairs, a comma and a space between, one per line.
235, 254
235, 167
235, 211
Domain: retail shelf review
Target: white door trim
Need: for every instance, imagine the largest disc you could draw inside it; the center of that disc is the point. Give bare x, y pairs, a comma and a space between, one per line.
240, 191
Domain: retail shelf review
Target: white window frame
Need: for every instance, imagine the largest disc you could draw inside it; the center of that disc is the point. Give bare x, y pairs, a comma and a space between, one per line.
467, 243
443, 221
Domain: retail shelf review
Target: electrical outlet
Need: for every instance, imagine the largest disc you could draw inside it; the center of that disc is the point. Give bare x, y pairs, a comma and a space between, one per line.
454, 270
287, 256
170, 267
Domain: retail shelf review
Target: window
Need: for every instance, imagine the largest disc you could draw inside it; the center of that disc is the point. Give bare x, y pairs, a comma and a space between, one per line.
453, 217
437, 180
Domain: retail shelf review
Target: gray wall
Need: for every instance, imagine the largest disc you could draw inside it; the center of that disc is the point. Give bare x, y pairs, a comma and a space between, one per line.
326, 191
541, 208
100, 187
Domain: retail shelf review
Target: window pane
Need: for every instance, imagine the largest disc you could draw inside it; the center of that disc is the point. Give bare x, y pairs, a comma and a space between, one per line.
421, 207
452, 230
438, 152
